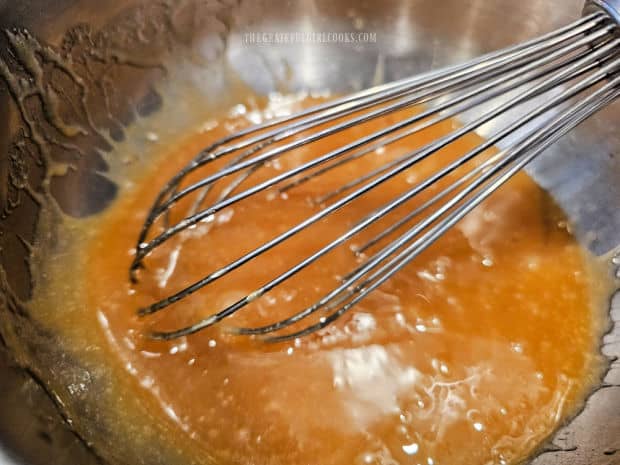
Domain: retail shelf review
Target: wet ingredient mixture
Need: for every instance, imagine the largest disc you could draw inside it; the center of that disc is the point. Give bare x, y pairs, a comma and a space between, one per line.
473, 354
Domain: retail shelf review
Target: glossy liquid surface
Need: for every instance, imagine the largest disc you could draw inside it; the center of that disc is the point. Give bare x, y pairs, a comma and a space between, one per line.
472, 354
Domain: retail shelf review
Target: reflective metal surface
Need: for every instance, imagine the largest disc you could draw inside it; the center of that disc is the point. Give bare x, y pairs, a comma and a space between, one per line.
611, 7
115, 60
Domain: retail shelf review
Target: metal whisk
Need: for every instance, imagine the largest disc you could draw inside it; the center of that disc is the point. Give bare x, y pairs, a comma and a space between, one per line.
570, 74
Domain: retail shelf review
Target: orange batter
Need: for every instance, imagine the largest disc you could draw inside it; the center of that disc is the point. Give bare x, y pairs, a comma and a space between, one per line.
473, 354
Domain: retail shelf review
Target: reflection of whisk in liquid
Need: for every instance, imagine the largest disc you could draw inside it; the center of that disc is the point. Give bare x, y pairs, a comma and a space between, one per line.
570, 74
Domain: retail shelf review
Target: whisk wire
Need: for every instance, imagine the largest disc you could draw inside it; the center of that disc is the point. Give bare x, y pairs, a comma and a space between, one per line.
585, 56
402, 165
477, 92
336, 111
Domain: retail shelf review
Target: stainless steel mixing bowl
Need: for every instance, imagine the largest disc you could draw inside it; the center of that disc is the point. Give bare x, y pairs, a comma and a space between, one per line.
85, 81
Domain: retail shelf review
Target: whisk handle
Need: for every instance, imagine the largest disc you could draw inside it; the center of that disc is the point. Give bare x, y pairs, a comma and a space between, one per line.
611, 7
